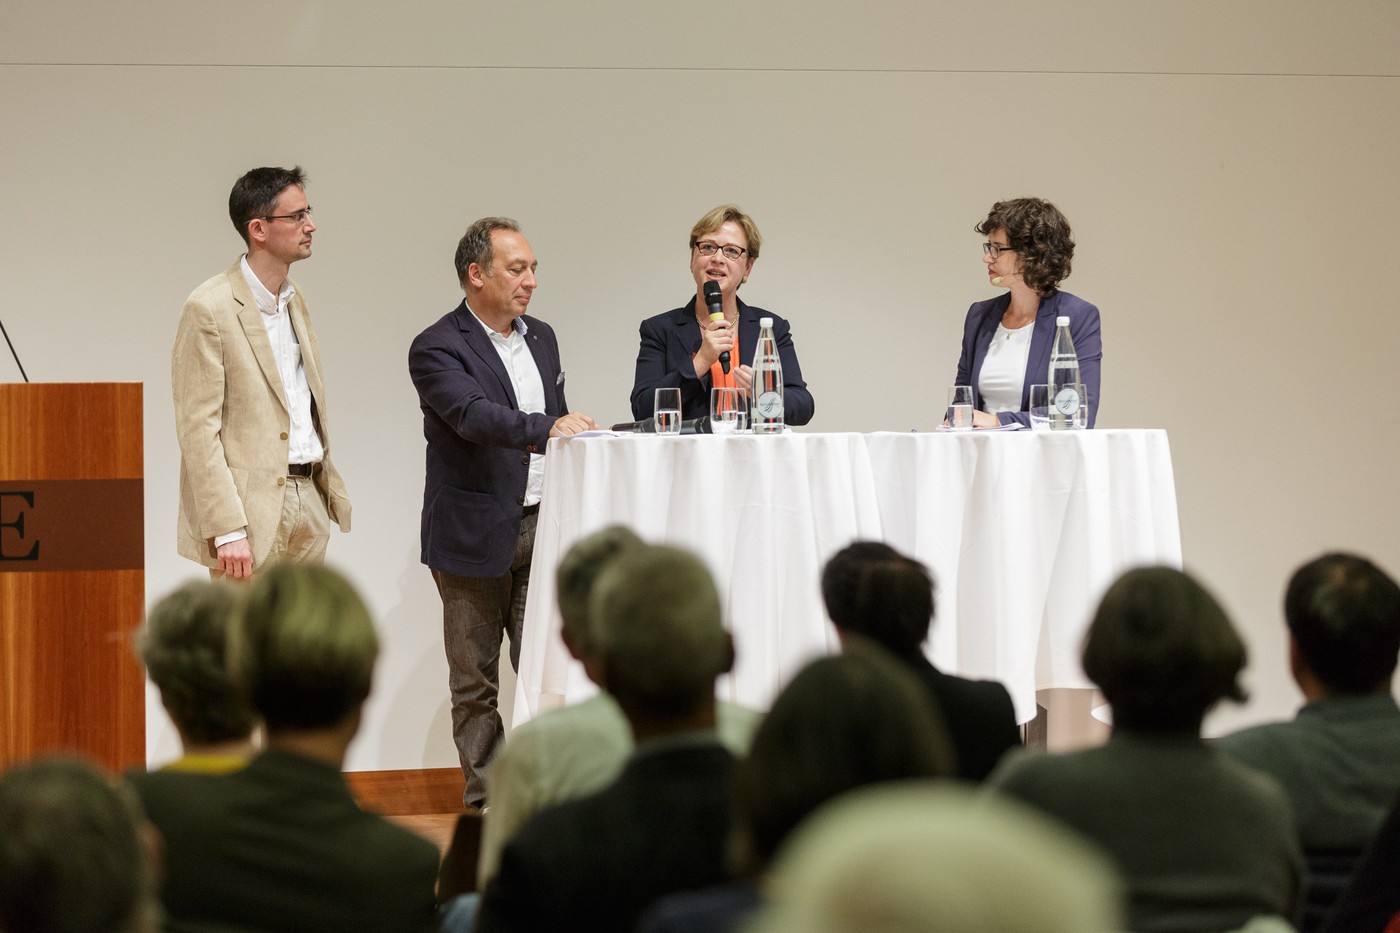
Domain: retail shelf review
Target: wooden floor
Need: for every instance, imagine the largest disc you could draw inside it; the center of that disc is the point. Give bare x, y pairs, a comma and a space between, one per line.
426, 802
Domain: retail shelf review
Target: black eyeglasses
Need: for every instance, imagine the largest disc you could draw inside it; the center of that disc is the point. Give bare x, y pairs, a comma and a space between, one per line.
991, 249
730, 252
299, 218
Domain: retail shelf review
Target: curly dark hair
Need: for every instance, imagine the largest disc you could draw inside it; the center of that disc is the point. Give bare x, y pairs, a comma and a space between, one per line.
1039, 234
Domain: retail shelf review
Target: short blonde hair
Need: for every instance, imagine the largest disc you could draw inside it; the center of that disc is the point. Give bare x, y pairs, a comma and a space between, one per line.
716, 218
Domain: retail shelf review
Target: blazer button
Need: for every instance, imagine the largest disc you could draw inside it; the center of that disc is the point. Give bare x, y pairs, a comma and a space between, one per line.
525, 459
281, 481
284, 435
520, 500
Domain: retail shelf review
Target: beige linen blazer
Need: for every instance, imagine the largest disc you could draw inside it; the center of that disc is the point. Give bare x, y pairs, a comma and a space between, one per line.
232, 419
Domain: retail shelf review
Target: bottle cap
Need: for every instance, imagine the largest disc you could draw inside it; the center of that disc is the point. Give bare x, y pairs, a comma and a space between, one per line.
1062, 321
765, 322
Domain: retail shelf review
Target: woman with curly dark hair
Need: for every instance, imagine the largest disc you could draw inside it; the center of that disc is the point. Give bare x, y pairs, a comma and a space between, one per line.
1006, 340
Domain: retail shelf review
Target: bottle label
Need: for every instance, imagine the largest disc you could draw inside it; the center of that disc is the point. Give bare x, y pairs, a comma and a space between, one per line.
1067, 401
769, 405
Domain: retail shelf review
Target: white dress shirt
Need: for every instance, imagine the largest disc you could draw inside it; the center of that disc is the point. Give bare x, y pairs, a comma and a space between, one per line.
529, 389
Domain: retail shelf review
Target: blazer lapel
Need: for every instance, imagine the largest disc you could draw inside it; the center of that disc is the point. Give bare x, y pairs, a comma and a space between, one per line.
479, 344
747, 338
256, 331
986, 330
1038, 359
549, 369
310, 359
687, 331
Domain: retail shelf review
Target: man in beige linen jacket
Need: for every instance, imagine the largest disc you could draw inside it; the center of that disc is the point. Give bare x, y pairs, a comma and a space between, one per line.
256, 477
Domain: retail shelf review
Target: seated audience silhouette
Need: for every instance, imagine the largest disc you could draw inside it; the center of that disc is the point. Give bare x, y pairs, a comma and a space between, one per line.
1339, 759
873, 591
596, 863
73, 853
183, 647
1203, 842
570, 752
842, 723
281, 844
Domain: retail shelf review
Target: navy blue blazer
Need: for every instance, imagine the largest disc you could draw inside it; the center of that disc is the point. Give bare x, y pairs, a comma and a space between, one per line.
669, 342
479, 441
981, 326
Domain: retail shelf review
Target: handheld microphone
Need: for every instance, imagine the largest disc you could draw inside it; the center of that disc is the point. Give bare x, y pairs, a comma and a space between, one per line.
997, 280
715, 303
699, 425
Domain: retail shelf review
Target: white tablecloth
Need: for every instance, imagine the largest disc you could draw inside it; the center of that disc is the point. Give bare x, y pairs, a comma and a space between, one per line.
1022, 530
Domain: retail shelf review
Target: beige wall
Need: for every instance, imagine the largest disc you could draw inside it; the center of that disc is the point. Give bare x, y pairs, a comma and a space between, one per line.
1229, 169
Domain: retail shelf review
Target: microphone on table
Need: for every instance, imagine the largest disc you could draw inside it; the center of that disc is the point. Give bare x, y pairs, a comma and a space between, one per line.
715, 303
699, 425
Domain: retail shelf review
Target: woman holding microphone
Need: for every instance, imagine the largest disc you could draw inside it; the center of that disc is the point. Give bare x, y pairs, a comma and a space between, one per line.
684, 348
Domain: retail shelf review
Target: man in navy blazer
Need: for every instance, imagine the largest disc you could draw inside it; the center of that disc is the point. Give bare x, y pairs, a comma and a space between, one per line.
491, 388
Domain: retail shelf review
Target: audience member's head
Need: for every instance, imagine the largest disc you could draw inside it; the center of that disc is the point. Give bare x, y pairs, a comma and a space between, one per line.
1162, 651
937, 858
574, 580
183, 646
302, 647
843, 722
660, 638
1343, 613
872, 590
72, 854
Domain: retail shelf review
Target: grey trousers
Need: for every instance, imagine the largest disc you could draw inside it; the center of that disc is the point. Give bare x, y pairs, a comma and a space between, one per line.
476, 613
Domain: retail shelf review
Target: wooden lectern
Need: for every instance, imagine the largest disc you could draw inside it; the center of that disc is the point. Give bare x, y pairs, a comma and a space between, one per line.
72, 572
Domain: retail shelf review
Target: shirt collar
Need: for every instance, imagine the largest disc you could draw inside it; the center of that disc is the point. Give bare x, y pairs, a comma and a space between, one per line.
517, 324
266, 303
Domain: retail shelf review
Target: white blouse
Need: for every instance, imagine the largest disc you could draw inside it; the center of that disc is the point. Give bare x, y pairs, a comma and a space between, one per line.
1003, 375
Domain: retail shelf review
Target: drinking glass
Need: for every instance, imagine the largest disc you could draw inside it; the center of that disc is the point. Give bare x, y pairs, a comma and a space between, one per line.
726, 410
960, 406
667, 413
1040, 407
